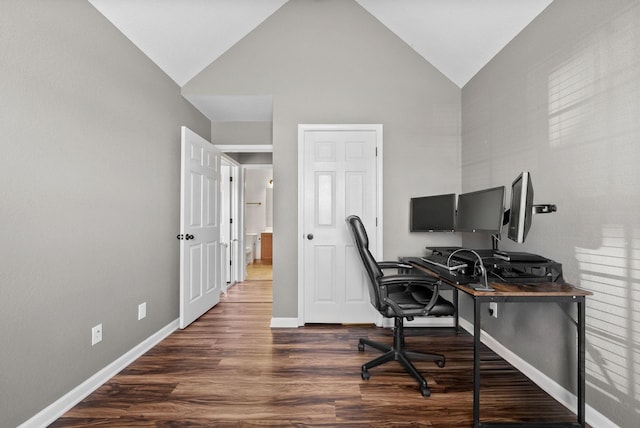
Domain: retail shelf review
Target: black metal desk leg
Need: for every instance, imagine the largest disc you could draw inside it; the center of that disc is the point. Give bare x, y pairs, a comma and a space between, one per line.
476, 361
456, 302
581, 360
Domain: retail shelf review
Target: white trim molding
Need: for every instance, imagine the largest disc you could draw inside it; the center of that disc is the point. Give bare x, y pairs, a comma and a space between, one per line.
58, 408
428, 322
244, 148
284, 322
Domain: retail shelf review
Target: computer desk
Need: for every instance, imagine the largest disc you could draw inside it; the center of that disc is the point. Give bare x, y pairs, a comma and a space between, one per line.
550, 292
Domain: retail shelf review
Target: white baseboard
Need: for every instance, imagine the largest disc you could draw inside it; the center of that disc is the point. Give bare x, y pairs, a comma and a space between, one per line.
52, 412
284, 323
431, 322
551, 387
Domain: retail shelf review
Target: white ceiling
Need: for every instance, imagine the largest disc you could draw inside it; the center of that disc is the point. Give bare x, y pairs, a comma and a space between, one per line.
458, 37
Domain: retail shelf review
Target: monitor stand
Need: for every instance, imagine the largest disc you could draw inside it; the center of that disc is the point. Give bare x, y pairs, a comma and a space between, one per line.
494, 242
480, 287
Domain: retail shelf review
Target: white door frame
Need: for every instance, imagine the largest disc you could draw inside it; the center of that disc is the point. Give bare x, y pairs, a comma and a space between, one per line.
238, 188
302, 128
237, 230
234, 255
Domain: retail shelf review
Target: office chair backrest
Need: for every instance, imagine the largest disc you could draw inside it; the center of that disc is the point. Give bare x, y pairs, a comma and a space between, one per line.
371, 266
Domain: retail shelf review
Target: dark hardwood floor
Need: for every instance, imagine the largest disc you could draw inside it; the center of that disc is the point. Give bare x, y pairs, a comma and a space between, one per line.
230, 369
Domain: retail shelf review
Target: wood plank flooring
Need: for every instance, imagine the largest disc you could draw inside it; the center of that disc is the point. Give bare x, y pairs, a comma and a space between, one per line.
259, 270
230, 369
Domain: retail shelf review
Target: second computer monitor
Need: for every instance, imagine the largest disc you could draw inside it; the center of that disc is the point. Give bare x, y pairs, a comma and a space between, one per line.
481, 211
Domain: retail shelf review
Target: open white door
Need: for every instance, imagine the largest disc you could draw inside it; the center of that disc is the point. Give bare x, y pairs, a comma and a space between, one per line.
199, 227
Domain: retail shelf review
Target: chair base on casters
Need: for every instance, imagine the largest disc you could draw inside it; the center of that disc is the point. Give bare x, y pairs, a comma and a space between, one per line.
398, 353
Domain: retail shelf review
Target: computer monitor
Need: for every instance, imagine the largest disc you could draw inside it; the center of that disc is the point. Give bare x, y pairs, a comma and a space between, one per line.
481, 211
521, 209
432, 213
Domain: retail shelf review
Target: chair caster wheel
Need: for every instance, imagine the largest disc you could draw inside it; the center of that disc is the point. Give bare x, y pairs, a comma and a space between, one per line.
360, 347
365, 374
440, 363
425, 391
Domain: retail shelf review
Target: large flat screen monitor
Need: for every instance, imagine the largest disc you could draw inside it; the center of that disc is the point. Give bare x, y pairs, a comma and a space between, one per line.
432, 213
481, 211
521, 209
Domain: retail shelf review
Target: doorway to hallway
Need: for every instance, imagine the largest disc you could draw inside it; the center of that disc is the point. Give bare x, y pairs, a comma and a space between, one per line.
242, 249
259, 271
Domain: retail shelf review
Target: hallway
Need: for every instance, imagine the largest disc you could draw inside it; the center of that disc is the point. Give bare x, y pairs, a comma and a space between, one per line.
259, 271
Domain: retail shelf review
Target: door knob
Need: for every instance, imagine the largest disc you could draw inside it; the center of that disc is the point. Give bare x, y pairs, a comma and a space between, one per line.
187, 237
310, 236
180, 236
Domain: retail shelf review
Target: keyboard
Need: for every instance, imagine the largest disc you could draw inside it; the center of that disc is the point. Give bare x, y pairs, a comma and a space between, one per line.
441, 261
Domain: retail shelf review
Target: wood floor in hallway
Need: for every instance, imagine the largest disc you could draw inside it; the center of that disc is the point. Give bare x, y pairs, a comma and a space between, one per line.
259, 271
229, 369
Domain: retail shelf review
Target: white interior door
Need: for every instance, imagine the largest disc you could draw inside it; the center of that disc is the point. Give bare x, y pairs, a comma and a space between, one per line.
199, 227
233, 216
340, 177
226, 232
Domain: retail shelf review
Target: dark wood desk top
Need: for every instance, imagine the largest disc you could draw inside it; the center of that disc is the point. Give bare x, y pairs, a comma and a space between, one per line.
539, 289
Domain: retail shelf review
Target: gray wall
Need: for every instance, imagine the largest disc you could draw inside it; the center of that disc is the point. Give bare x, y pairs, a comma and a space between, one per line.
260, 158
563, 101
250, 133
89, 184
332, 62
244, 133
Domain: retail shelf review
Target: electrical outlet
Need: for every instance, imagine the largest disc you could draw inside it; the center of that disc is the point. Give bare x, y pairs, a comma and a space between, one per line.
142, 310
493, 309
96, 334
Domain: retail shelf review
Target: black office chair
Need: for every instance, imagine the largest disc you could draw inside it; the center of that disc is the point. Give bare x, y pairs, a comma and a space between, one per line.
398, 296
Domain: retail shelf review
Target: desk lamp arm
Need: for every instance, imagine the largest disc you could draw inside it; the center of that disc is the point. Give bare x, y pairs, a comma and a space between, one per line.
483, 270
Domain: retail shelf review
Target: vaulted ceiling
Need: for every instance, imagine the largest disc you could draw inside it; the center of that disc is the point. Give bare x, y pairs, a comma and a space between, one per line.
458, 37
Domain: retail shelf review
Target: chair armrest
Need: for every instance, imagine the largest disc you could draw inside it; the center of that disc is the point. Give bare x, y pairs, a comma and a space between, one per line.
407, 279
396, 308
394, 265
413, 280
435, 294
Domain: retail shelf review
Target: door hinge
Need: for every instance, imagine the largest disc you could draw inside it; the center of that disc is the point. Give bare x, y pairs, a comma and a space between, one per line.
230, 178
231, 220
376, 221
376, 152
